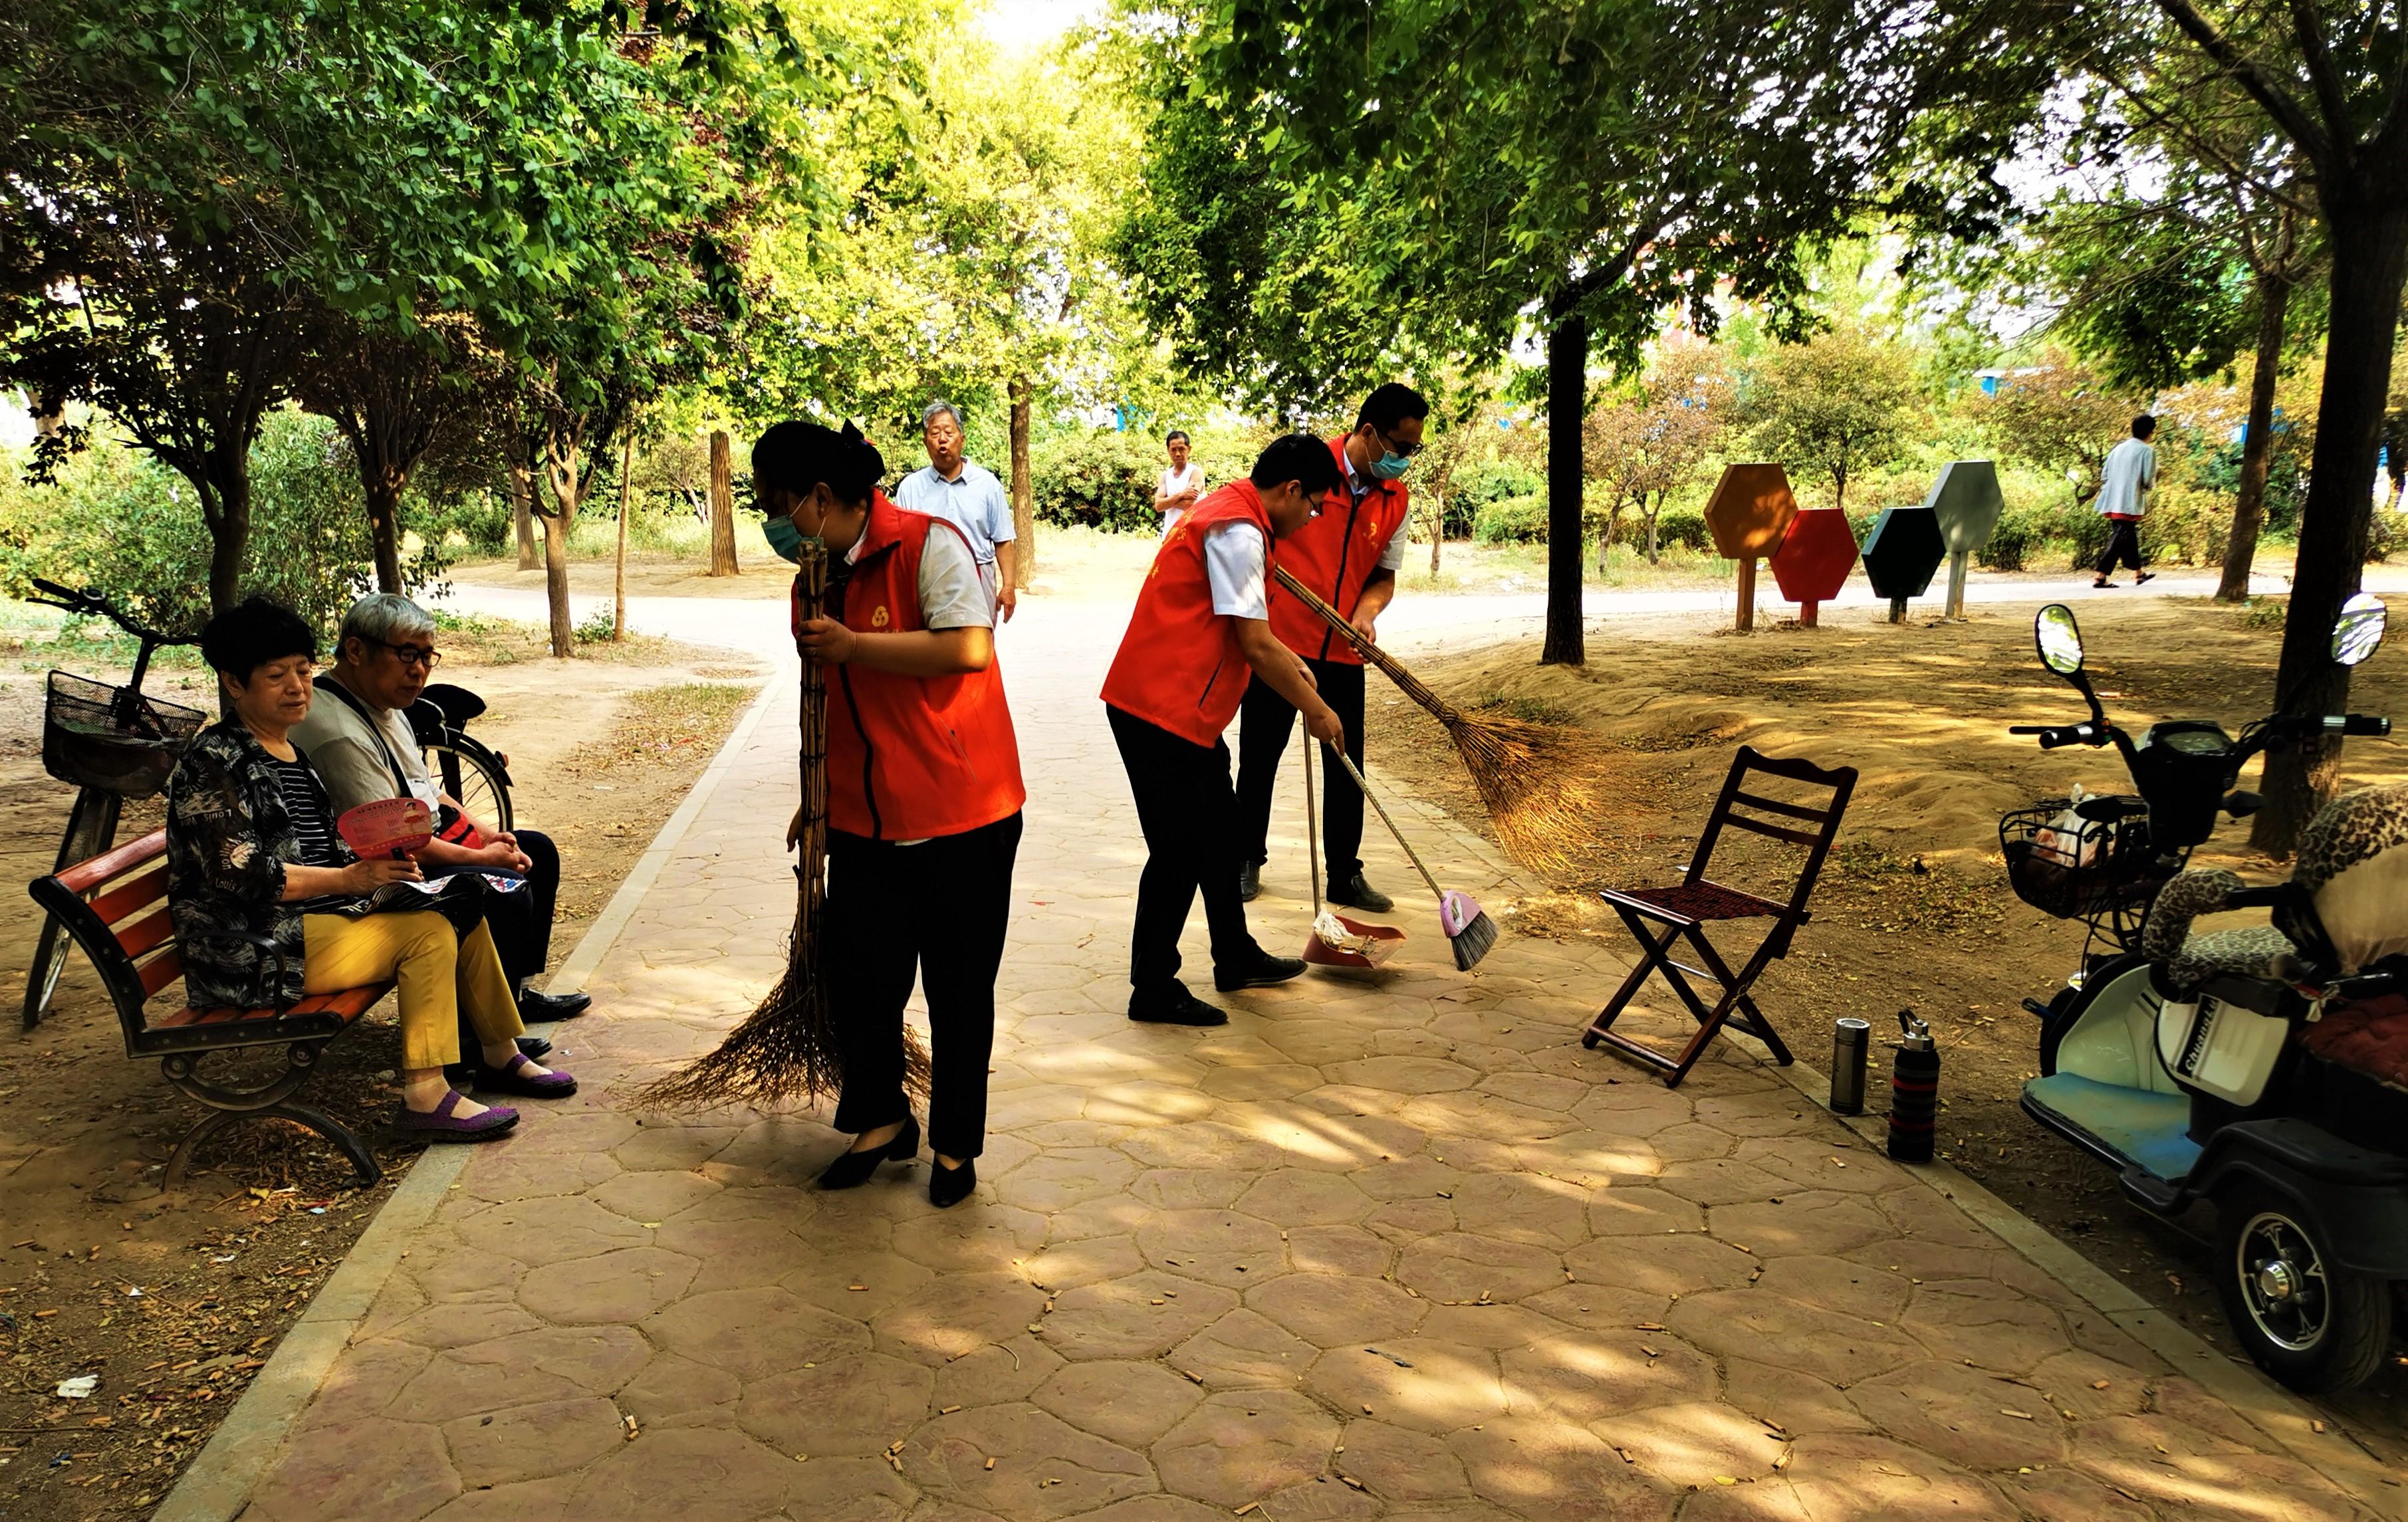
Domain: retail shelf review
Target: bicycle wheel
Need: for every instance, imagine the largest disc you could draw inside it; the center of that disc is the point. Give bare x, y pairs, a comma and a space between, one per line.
91, 829
473, 776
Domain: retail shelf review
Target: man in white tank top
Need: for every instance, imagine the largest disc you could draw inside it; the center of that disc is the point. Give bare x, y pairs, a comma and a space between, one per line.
1181, 485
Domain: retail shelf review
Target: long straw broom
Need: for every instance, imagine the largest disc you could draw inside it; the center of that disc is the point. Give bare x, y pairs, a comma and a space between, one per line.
790, 1048
1537, 780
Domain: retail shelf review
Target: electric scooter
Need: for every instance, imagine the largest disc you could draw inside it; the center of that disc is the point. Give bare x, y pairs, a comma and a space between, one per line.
2177, 1060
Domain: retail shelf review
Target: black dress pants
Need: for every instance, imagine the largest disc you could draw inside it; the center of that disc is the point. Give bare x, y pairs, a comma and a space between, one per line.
520, 923
521, 919
2123, 544
1265, 720
1189, 814
934, 913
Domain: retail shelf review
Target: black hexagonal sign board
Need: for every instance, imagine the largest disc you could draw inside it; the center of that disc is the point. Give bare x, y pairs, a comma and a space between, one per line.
1903, 551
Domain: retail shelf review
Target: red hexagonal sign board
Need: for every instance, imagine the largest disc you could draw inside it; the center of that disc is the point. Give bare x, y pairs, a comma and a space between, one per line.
1814, 558
1750, 511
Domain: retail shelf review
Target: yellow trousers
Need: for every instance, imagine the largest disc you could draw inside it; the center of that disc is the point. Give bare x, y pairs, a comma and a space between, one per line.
440, 974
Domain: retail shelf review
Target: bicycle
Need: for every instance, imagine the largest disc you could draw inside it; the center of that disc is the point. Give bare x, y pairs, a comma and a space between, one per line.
113, 744
479, 778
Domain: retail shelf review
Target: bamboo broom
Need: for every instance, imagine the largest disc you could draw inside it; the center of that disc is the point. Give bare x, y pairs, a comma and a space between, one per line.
1538, 780
790, 1048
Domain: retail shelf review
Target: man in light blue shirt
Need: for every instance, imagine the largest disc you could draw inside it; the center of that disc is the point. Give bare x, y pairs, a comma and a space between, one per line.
966, 496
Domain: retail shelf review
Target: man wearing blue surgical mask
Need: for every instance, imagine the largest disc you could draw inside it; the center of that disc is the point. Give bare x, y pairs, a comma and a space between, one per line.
1348, 557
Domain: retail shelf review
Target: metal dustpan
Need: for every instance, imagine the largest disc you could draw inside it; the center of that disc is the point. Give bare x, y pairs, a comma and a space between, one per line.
1337, 940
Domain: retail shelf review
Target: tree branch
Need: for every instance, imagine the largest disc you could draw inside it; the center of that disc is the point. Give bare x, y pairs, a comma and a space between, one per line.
2262, 87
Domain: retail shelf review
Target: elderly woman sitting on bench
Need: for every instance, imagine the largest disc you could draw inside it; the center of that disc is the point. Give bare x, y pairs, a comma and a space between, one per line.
270, 905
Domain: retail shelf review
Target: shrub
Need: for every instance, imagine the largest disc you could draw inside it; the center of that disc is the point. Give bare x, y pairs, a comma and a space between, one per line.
122, 524
1105, 479
1512, 521
2020, 531
597, 625
1480, 482
1681, 528
2185, 523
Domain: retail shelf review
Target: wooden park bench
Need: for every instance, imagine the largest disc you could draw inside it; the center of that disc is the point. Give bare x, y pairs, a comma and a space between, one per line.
115, 905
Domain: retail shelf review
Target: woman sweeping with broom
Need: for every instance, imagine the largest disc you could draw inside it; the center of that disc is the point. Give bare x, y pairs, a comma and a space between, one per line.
923, 798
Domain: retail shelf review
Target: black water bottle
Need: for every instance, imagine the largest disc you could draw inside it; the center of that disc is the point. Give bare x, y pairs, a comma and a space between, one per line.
1914, 1091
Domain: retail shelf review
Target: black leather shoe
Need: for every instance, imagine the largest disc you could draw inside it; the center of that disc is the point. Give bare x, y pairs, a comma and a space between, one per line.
1175, 1006
952, 1186
1249, 882
533, 1047
1358, 894
1262, 974
534, 1007
852, 1170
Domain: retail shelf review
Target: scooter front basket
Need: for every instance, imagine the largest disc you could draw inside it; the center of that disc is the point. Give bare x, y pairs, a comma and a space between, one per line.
2073, 868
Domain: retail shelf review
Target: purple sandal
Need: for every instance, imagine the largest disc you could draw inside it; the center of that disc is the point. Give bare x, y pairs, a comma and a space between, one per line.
514, 1078
441, 1125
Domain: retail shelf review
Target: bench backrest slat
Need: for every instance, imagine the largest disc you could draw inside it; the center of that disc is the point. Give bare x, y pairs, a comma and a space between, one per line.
131, 897
146, 934
86, 876
162, 969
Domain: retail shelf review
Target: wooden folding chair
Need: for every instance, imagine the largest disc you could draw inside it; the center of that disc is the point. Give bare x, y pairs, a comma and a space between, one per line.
1683, 910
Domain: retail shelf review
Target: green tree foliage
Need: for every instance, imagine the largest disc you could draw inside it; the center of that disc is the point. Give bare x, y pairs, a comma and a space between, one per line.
1651, 436
1464, 167
1836, 406
122, 522
2062, 416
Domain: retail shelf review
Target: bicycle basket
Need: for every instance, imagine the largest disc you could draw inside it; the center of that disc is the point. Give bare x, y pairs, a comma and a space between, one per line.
96, 735
2073, 868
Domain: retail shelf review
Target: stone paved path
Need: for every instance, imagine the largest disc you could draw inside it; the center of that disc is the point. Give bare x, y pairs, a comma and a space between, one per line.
1401, 1252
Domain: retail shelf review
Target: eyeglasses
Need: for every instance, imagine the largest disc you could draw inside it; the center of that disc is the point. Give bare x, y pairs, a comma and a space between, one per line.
412, 655
1402, 451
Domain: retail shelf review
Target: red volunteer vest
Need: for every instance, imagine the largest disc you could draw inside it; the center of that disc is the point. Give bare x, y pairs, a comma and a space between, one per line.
1335, 555
1179, 666
908, 757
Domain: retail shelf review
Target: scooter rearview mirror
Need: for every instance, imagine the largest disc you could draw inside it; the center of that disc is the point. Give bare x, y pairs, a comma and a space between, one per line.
2359, 629
2059, 639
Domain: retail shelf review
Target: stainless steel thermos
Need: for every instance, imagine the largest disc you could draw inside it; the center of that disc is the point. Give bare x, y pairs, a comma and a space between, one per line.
1852, 1042
1914, 1091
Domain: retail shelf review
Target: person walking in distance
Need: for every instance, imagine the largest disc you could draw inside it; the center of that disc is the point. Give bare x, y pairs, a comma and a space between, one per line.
967, 496
1348, 557
2124, 486
1181, 485
1200, 632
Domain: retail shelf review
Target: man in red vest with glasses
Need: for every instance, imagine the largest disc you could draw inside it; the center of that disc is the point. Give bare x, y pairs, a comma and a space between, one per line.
1347, 557
1200, 636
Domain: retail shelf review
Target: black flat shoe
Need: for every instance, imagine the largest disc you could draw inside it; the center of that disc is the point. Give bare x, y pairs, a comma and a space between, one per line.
536, 1008
852, 1170
949, 1187
1176, 1007
535, 1046
1249, 882
1262, 974
1358, 894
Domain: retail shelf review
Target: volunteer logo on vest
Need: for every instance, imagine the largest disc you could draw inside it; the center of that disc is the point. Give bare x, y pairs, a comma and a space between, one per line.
878, 620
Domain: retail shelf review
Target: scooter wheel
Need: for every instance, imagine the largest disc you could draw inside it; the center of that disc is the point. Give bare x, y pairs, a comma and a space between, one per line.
2311, 1323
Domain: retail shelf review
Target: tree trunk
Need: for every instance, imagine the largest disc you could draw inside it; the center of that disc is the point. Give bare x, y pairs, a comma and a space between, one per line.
619, 581
723, 505
1567, 402
1438, 536
1653, 518
383, 494
523, 511
2370, 262
561, 477
229, 527
2257, 447
1023, 490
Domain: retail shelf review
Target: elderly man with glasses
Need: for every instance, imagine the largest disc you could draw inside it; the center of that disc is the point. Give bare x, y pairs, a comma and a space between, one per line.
968, 497
359, 740
1348, 557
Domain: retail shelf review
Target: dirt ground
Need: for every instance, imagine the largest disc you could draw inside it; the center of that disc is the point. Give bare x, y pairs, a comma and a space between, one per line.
1914, 909
174, 1299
